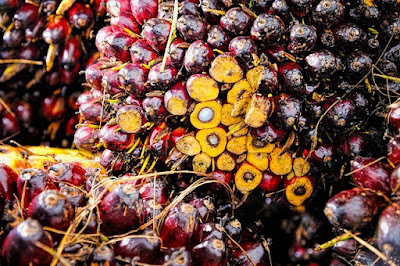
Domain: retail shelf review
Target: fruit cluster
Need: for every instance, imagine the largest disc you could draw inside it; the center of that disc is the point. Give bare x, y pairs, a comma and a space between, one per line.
44, 45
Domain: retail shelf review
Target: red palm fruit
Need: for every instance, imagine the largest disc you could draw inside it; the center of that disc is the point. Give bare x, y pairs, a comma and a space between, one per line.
122, 206
53, 107
102, 35
31, 182
206, 208
176, 135
131, 118
218, 38
94, 75
70, 128
154, 108
116, 162
370, 174
114, 138
156, 32
152, 209
25, 15
236, 21
8, 125
347, 248
394, 119
267, 28
70, 54
103, 255
8, 4
210, 231
8, 179
158, 140
353, 208
110, 81
224, 177
289, 109
191, 28
145, 246
177, 100
270, 182
34, 31
353, 145
210, 252
177, 52
69, 76
323, 153
155, 190
80, 16
74, 195
117, 7
94, 111
255, 250
13, 37
56, 30
143, 10
132, 79
133, 100
178, 257
116, 45
181, 223
24, 238
198, 57
208, 8
162, 79
126, 21
87, 138
99, 8
68, 172
395, 181
387, 234
141, 52
51, 208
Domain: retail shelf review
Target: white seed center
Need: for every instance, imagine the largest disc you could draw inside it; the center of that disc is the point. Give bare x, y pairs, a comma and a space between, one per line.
206, 114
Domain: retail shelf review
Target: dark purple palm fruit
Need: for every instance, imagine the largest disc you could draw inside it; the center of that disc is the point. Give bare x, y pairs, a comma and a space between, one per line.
291, 76
189, 8
34, 31
354, 144
31, 182
178, 257
94, 75
177, 100
132, 78
162, 79
268, 81
236, 21
70, 54
8, 179
210, 10
181, 223
387, 234
103, 255
25, 15
303, 38
322, 63
56, 31
210, 231
349, 36
154, 108
289, 109
210, 252
123, 207
328, 13
26, 237
358, 64
218, 38
255, 250
110, 81
262, 6
389, 5
131, 118
177, 52
269, 133
73, 195
395, 181
155, 190
300, 8
146, 246
68, 172
143, 10
267, 29
370, 174
191, 28
234, 229
353, 208
126, 21
95, 111
198, 57
244, 48
279, 8
80, 16
206, 208
114, 161
348, 248
156, 32
87, 138
116, 45
166, 10
390, 27
13, 37
142, 53
341, 114
394, 119
113, 138
117, 7
393, 150
51, 208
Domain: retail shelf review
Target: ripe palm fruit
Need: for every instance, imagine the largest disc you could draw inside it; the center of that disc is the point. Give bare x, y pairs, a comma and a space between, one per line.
247, 177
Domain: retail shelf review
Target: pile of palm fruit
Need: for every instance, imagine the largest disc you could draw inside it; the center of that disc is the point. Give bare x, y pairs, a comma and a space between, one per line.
220, 132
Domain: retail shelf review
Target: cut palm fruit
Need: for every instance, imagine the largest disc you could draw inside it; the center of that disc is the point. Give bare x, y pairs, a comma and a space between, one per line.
247, 178
17, 164
226, 118
255, 145
201, 162
45, 150
188, 145
298, 190
202, 88
259, 110
226, 69
226, 162
10, 150
259, 160
206, 115
237, 90
280, 164
237, 145
241, 104
41, 161
254, 76
300, 166
241, 132
212, 140
130, 118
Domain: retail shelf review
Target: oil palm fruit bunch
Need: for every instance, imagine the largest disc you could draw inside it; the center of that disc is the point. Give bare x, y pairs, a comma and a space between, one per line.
44, 45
